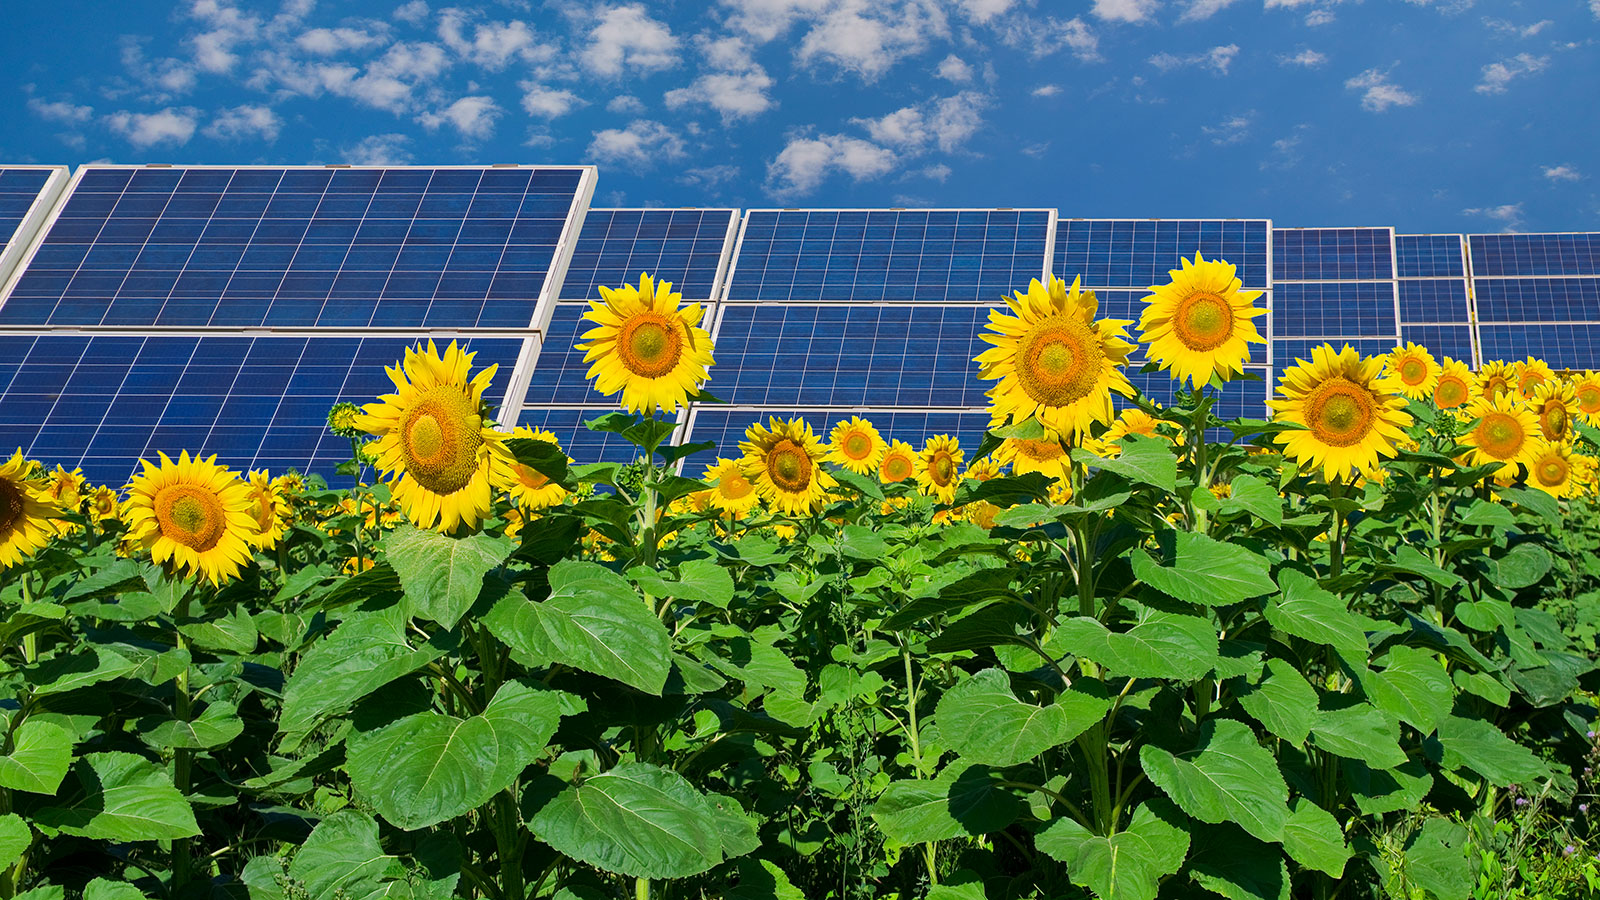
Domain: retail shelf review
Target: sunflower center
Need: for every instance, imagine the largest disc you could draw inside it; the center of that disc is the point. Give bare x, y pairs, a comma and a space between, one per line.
1529, 382
1413, 371
789, 466
191, 515
1554, 422
943, 468
1499, 435
1204, 321
1040, 450
1589, 399
649, 345
1340, 412
734, 486
1451, 392
10, 507
895, 468
1060, 362
1497, 385
857, 445
440, 441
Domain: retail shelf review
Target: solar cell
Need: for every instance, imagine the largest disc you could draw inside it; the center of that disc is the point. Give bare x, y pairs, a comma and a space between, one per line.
559, 375
1429, 256
684, 246
1137, 253
1568, 346
1454, 341
727, 426
103, 402
1332, 254
1535, 254
928, 256
1433, 300
19, 191
1343, 308
1239, 399
1538, 299
300, 247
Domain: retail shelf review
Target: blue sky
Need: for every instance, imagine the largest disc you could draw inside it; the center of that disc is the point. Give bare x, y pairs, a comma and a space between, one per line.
1429, 115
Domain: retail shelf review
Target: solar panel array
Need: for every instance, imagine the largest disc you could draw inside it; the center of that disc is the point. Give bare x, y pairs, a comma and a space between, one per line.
1538, 295
27, 194
1436, 308
1332, 285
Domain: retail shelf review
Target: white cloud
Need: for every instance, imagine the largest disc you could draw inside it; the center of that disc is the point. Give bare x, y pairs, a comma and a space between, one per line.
243, 122
1232, 130
474, 117
626, 36
1319, 17
547, 102
227, 28
643, 143
625, 105
805, 162
1310, 59
493, 44
414, 12
60, 111
1217, 59
1042, 37
328, 41
1286, 150
709, 176
1594, 7
1378, 93
378, 150
938, 172
1511, 30
1200, 10
1497, 75
736, 95
952, 68
869, 39
1046, 90
173, 125
1508, 214
1125, 10
1562, 173
946, 123
764, 20
981, 11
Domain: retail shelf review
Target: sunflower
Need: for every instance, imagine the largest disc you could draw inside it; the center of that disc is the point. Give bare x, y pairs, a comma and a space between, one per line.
1554, 404
1496, 377
1456, 387
982, 469
899, 462
192, 515
432, 441
1199, 324
1414, 369
269, 508
939, 467
65, 489
1551, 468
1505, 432
856, 445
1531, 374
527, 486
26, 512
1132, 420
1048, 455
1053, 361
1351, 414
645, 346
342, 420
731, 492
104, 504
783, 461
1586, 393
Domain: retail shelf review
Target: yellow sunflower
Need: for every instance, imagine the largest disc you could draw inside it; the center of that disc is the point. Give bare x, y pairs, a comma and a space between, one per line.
104, 504
783, 461
1412, 367
1456, 387
65, 489
1496, 377
528, 487
856, 445
1531, 374
1199, 324
1586, 392
1351, 414
193, 516
1505, 432
731, 492
270, 510
899, 462
939, 467
1053, 361
1555, 405
432, 441
982, 469
1048, 455
1551, 468
645, 346
26, 512
1132, 420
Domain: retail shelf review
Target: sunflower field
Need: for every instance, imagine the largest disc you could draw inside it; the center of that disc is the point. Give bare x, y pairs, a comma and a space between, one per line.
1118, 650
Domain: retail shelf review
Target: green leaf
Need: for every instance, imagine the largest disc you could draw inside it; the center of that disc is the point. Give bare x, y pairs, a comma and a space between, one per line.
964, 801
594, 621
1144, 460
69, 673
1159, 645
102, 889
342, 858
1485, 749
1379, 791
1229, 862
1436, 859
986, 626
217, 725
40, 755
1359, 731
1307, 611
759, 664
1413, 687
1255, 496
1228, 777
737, 828
545, 458
762, 880
1127, 865
859, 542
442, 575
1282, 701
1522, 566
704, 581
1410, 560
15, 837
1482, 684
1483, 512
982, 720
234, 631
121, 797
1312, 837
1537, 502
43, 892
1198, 569
637, 819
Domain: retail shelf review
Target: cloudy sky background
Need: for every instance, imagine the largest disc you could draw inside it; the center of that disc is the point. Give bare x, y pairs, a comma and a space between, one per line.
1429, 115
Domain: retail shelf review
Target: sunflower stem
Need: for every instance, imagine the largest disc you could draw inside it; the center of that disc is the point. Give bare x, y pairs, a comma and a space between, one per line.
182, 758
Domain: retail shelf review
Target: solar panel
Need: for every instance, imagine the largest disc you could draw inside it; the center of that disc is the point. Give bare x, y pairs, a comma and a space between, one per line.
726, 426
1429, 256
301, 247
929, 256
583, 445
1137, 253
1238, 399
1538, 299
1567, 346
1287, 352
1341, 308
20, 188
684, 246
1442, 300
1332, 254
560, 374
1496, 255
1454, 341
103, 402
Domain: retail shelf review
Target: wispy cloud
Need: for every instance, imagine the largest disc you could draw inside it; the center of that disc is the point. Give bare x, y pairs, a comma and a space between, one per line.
547, 102
737, 88
473, 117
173, 125
1041, 37
1135, 11
952, 68
1509, 29
1046, 90
1200, 10
1378, 93
1233, 130
1497, 75
1562, 173
1509, 215
1218, 59
641, 145
805, 162
244, 122
378, 150
946, 123
60, 111
1310, 59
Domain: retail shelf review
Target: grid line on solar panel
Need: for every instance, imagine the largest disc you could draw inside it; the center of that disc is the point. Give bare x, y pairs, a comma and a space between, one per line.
1239, 399
1572, 299
1567, 346
1332, 254
1512, 255
1434, 301
1429, 256
103, 402
684, 246
20, 187
1345, 308
559, 374
1454, 341
726, 426
299, 247
928, 255
1137, 253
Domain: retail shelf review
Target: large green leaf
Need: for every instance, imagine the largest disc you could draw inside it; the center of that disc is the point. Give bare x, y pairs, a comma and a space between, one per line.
121, 797
1436, 859
230, 631
1312, 837
1229, 862
705, 581
428, 767
1159, 645
1198, 569
637, 819
342, 858
1522, 566
1412, 687
105, 889
1127, 865
217, 725
1359, 731
762, 880
964, 801
69, 673
1307, 611
1282, 701
1145, 460
1227, 777
594, 621
40, 755
1483, 748
759, 664
15, 837
442, 575
1255, 496
983, 721
1379, 791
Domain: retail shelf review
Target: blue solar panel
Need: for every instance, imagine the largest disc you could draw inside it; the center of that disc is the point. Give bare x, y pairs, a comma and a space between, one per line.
896, 255
1237, 400
1429, 256
1535, 254
683, 246
727, 427
299, 248
1331, 254
1137, 253
1433, 300
1562, 346
559, 375
581, 444
1286, 353
1325, 309
1538, 299
1454, 341
19, 188
104, 402
1128, 306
